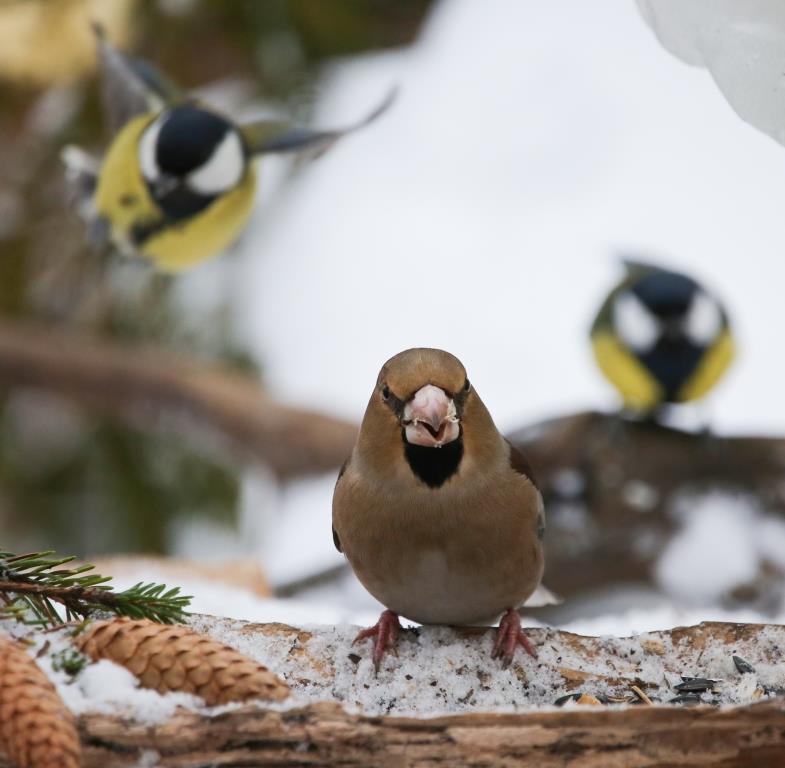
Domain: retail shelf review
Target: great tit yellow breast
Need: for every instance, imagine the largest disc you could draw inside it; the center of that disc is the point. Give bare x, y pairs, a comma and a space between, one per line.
122, 197
639, 390
712, 366
185, 243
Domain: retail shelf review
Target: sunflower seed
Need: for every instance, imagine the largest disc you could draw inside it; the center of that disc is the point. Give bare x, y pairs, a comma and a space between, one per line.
744, 667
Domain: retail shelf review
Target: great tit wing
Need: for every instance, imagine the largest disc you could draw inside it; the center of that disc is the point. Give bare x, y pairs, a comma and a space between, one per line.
129, 86
81, 173
267, 137
81, 170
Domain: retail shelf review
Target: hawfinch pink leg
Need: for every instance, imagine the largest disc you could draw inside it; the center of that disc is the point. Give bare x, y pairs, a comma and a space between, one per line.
509, 637
386, 633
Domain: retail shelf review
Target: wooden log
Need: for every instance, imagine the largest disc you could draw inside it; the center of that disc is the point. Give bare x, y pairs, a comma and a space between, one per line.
325, 735
318, 729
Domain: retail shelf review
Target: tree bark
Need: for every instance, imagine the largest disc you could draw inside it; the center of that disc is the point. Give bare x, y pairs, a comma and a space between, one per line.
166, 390
325, 735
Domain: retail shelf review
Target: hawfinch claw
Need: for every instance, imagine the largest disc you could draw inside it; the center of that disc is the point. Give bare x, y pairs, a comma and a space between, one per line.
386, 633
509, 637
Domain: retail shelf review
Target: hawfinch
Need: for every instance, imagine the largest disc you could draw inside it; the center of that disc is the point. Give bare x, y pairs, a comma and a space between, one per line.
437, 514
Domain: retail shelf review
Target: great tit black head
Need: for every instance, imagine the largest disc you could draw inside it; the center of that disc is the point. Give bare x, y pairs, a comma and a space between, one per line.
666, 307
668, 321
189, 156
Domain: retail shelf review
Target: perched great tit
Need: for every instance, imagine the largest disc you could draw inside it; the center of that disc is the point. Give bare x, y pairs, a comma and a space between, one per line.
177, 183
438, 515
660, 337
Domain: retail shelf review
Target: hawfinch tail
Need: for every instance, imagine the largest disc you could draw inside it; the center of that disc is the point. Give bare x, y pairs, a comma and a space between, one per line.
437, 513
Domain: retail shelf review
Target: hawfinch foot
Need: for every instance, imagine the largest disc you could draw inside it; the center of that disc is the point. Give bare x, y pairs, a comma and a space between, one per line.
386, 633
509, 637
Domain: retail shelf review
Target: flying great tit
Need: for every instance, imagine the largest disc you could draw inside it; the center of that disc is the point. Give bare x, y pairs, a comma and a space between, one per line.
660, 337
177, 183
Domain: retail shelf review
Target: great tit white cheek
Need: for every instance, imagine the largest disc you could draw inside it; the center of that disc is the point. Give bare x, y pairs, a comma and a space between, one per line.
704, 320
634, 323
224, 169
147, 149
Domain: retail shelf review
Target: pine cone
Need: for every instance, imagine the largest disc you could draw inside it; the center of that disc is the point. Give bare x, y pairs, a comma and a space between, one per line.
175, 658
36, 728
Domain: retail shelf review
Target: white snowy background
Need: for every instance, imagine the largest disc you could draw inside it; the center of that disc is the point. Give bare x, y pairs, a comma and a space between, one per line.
531, 143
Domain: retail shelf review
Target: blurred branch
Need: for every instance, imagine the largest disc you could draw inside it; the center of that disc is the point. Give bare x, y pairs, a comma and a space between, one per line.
667, 456
166, 390
311, 581
612, 489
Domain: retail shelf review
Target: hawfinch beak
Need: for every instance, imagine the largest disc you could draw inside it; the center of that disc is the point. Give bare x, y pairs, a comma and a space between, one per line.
430, 418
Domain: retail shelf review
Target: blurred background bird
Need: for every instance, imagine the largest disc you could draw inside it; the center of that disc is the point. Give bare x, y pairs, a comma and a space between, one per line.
177, 183
660, 338
438, 514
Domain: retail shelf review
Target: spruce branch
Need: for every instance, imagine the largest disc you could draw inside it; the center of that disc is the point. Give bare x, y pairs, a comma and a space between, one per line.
37, 581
